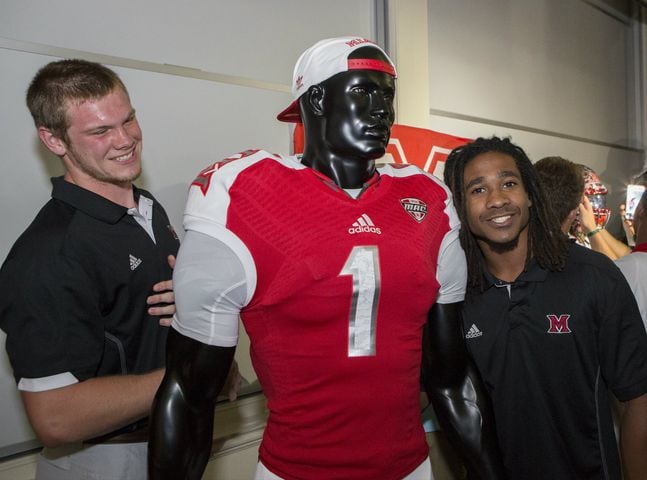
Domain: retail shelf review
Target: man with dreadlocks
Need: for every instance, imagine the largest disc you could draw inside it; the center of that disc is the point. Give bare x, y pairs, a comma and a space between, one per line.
551, 326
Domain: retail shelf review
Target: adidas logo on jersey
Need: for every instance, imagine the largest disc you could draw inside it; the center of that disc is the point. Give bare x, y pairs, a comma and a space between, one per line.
364, 224
134, 262
473, 332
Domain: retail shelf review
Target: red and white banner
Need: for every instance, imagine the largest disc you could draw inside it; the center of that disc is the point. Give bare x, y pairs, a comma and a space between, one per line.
425, 148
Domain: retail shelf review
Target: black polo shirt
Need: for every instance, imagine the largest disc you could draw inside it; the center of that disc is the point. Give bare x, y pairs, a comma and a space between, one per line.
548, 347
74, 288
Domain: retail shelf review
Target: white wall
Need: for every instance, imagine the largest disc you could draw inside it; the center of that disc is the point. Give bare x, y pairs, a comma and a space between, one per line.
550, 64
236, 62
557, 76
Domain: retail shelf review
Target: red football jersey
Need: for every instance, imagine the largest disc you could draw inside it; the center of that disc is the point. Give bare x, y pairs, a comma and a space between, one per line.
341, 292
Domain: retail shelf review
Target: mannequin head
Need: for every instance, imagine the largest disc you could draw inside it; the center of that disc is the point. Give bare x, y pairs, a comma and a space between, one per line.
344, 90
351, 113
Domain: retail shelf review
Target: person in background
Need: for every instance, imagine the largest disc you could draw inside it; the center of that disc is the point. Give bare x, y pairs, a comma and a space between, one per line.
594, 214
563, 184
634, 266
87, 296
627, 223
335, 266
551, 326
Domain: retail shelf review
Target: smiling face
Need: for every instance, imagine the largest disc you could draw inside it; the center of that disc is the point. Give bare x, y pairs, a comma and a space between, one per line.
497, 205
104, 142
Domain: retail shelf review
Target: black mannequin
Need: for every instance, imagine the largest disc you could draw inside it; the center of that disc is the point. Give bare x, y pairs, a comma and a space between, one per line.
347, 120
181, 425
457, 394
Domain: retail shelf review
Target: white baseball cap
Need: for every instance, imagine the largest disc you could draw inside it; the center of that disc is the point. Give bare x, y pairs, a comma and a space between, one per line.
327, 58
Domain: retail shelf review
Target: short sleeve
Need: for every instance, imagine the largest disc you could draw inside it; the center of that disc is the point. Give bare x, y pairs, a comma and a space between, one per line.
210, 290
632, 267
623, 341
452, 265
51, 316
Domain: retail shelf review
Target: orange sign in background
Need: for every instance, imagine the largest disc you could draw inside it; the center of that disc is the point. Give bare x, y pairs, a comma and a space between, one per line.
427, 149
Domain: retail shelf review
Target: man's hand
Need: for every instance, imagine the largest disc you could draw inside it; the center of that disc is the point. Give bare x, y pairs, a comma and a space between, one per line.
627, 225
233, 382
164, 299
587, 216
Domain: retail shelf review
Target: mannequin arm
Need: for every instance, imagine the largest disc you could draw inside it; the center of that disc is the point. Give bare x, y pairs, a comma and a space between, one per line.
457, 394
183, 410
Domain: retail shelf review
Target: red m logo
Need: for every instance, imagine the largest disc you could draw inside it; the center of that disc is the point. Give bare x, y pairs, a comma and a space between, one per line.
558, 324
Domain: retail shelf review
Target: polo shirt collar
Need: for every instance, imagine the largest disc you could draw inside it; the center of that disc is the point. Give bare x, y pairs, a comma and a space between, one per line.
532, 273
89, 202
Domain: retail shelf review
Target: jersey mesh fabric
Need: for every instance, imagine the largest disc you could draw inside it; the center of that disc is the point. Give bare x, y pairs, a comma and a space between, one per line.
333, 415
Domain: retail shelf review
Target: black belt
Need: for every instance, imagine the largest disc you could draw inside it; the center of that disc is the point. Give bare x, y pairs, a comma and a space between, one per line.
134, 433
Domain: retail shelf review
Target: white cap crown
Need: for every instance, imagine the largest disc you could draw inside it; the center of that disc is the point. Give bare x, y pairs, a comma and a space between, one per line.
325, 59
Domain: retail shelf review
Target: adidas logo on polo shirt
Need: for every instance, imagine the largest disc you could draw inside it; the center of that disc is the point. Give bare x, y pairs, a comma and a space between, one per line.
364, 224
473, 332
134, 262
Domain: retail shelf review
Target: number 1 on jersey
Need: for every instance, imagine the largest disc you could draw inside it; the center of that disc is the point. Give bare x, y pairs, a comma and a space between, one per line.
363, 265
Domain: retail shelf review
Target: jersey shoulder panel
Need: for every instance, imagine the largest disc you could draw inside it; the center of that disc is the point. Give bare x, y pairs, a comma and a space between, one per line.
208, 198
397, 170
400, 170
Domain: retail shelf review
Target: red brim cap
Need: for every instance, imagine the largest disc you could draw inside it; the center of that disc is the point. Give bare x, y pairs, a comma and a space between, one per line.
291, 113
325, 59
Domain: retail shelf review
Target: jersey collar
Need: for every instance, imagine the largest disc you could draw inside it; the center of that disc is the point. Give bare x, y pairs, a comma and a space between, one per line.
374, 180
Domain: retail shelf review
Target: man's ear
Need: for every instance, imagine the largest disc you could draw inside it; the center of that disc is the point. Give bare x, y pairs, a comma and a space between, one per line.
567, 223
53, 143
314, 100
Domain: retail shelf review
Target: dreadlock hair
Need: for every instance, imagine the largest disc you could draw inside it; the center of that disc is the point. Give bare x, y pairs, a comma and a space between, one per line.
546, 243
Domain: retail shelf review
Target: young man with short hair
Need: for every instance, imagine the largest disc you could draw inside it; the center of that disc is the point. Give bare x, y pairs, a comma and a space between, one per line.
84, 285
